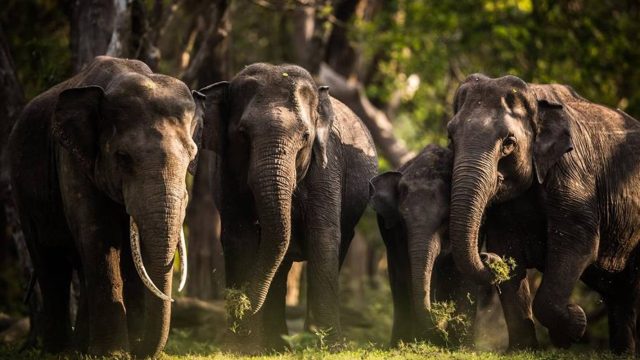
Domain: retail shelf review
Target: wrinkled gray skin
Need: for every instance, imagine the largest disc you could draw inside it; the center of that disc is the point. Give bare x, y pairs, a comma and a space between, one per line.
412, 204
508, 135
295, 170
114, 141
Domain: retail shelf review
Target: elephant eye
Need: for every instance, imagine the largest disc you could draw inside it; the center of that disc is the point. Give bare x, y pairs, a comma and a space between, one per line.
508, 144
305, 136
123, 159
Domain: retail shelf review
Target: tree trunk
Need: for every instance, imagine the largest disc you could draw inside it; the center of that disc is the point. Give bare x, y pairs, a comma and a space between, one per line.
12, 243
210, 62
294, 284
206, 261
340, 55
310, 37
92, 26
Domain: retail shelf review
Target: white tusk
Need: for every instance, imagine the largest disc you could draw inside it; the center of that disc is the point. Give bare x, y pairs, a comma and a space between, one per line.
136, 254
182, 251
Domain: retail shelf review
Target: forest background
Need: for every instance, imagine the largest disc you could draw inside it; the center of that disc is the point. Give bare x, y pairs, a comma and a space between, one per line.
396, 63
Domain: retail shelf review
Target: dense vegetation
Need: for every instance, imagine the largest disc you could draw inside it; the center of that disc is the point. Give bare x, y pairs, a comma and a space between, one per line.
406, 56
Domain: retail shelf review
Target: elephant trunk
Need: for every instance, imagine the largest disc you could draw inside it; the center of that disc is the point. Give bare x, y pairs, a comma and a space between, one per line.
424, 248
272, 178
155, 235
473, 184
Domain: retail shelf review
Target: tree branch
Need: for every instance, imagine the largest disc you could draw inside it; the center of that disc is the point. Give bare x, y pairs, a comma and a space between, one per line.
216, 33
352, 95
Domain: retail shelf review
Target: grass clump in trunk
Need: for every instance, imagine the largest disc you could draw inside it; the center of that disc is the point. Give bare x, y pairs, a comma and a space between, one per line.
502, 269
237, 305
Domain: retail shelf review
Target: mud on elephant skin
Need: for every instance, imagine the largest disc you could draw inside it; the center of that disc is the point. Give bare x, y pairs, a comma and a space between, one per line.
508, 137
412, 204
295, 169
98, 170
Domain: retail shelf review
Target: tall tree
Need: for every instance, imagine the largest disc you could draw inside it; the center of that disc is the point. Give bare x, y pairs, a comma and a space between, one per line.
206, 261
11, 103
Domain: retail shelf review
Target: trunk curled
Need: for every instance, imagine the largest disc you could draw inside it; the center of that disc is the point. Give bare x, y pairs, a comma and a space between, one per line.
473, 185
272, 180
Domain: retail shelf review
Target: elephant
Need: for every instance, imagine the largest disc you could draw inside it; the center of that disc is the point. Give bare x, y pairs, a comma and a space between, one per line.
541, 157
98, 169
295, 165
412, 204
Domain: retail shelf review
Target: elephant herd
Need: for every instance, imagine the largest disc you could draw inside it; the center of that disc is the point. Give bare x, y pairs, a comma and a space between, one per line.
533, 173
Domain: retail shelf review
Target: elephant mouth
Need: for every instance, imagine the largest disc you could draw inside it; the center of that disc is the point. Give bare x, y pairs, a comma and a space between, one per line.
136, 254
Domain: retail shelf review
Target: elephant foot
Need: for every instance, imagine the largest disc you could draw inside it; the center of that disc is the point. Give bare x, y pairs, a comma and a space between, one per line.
572, 331
115, 354
242, 342
335, 346
523, 337
276, 344
523, 344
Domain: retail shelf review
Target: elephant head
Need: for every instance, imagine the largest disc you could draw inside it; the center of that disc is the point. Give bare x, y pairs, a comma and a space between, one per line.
416, 198
505, 133
270, 123
135, 139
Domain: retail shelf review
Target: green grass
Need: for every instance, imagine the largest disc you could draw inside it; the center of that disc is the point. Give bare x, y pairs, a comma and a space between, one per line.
502, 269
182, 350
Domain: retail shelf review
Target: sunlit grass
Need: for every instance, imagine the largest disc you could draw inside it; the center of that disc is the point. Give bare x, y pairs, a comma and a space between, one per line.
180, 348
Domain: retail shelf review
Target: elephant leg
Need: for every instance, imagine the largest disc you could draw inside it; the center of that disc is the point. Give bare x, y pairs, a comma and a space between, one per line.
240, 241
400, 282
49, 250
133, 296
517, 230
515, 299
622, 326
448, 284
54, 279
622, 307
637, 338
107, 319
570, 252
81, 329
274, 310
322, 236
98, 227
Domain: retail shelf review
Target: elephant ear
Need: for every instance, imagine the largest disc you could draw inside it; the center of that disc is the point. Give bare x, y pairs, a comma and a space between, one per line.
553, 139
323, 126
75, 123
215, 112
197, 126
383, 192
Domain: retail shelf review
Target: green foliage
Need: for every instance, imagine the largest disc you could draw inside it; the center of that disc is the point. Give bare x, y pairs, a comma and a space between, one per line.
502, 269
38, 32
581, 43
237, 305
444, 318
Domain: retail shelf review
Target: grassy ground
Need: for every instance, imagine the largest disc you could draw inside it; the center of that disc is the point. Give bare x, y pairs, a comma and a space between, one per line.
421, 351
188, 345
